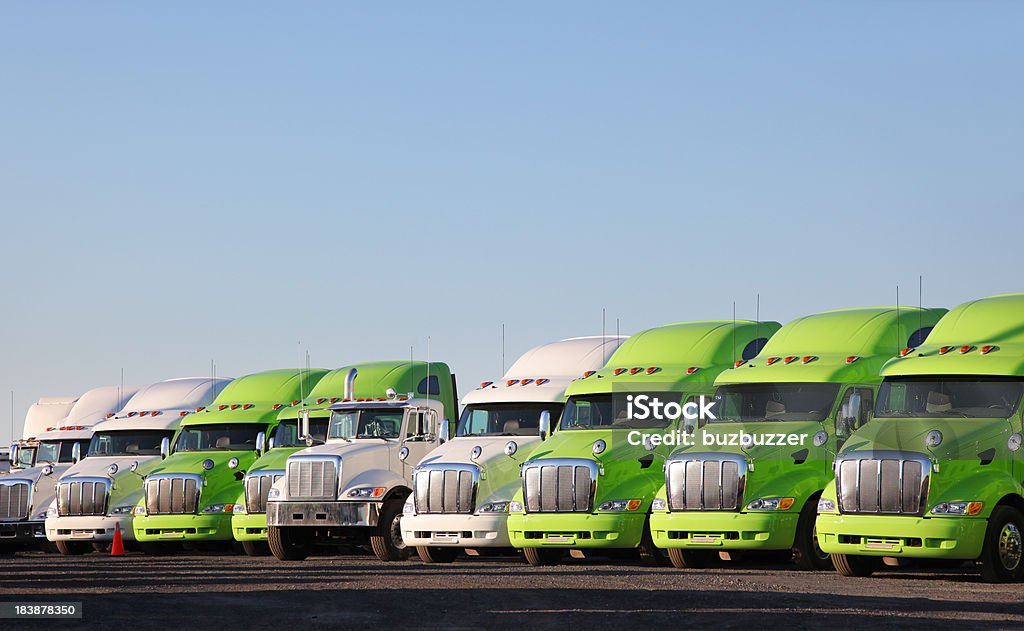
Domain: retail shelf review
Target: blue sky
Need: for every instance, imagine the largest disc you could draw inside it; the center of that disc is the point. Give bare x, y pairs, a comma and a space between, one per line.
244, 182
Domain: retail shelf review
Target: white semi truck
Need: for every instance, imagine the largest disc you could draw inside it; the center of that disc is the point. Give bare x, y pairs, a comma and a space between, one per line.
25, 494
96, 496
41, 415
461, 490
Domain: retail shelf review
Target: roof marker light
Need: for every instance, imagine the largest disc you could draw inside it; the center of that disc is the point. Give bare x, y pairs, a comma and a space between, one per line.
738, 363
988, 348
320, 400
633, 371
652, 370
222, 407
945, 349
276, 406
485, 384
110, 414
966, 348
382, 398
244, 407
334, 399
619, 371
183, 413
200, 408
906, 351
808, 359
511, 382
852, 358
296, 402
525, 381
541, 382
131, 414
155, 413
588, 373
346, 400
790, 359
692, 369
772, 360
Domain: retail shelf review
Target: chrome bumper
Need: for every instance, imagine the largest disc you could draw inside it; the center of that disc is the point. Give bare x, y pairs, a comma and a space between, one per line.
322, 513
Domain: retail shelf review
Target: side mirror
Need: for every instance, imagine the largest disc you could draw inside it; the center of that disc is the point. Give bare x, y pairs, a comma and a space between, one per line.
165, 447
545, 424
13, 455
304, 425
689, 425
261, 443
270, 443
76, 452
442, 431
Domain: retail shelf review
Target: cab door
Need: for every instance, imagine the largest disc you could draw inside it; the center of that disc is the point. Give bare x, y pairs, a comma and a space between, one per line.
417, 437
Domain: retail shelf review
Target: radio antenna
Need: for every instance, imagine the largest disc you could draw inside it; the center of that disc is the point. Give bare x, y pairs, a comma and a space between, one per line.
734, 332
920, 302
603, 336
503, 348
898, 320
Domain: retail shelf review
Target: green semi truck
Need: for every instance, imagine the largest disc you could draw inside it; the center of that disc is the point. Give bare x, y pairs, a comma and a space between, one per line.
249, 519
937, 472
191, 494
351, 489
751, 478
590, 485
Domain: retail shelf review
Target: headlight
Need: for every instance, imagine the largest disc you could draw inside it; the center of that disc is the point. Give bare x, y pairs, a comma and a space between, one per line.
771, 503
274, 494
957, 508
495, 507
217, 508
410, 507
515, 507
121, 510
619, 505
826, 505
140, 510
659, 504
368, 491
50, 512
239, 509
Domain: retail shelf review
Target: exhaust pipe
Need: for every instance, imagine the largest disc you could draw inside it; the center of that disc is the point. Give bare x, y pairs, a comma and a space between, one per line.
350, 384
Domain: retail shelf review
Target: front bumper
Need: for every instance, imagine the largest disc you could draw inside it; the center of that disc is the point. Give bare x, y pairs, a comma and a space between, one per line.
767, 530
98, 528
249, 526
576, 530
323, 513
456, 531
21, 532
209, 527
894, 536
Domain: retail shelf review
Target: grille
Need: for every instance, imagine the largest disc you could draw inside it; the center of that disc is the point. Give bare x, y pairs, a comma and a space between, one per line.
559, 485
313, 478
446, 489
705, 484
257, 488
82, 497
14, 499
883, 483
172, 494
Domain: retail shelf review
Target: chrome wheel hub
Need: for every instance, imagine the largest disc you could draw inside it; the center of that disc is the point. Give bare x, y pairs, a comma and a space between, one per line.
1011, 546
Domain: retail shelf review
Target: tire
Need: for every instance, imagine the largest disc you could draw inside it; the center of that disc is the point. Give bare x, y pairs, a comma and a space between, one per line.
856, 565
386, 539
73, 548
691, 559
437, 555
288, 544
651, 554
1002, 556
49, 547
806, 553
543, 556
101, 547
256, 548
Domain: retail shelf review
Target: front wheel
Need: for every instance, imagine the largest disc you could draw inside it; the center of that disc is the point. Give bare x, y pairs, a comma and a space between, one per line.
543, 556
288, 544
1001, 556
386, 539
855, 565
691, 559
68, 548
806, 553
437, 555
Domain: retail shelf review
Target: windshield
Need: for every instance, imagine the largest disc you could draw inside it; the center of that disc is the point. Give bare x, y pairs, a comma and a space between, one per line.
26, 457
774, 402
379, 423
287, 432
227, 437
128, 442
505, 419
945, 397
55, 451
612, 411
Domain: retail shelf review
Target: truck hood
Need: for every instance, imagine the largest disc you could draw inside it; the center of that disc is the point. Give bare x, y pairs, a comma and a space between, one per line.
127, 486
499, 478
721, 436
222, 484
962, 438
43, 486
347, 451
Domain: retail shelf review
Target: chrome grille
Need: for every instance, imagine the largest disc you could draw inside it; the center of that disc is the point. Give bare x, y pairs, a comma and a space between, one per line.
314, 478
882, 482
257, 488
559, 485
446, 488
173, 494
14, 498
705, 482
82, 496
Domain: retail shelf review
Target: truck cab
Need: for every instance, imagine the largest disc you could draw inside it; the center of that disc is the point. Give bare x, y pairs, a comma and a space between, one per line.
97, 495
937, 473
190, 495
26, 495
45, 413
797, 401
352, 488
462, 489
590, 486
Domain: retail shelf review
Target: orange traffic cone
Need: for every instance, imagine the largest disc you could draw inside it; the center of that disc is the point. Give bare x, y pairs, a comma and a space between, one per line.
117, 548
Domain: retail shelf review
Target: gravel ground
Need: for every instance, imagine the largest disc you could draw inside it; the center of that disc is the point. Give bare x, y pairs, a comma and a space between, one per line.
196, 591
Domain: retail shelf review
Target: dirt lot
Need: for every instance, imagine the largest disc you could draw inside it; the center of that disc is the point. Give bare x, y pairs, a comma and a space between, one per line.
224, 591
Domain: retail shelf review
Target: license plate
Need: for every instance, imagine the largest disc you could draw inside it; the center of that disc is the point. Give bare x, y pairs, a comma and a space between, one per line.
560, 539
880, 545
705, 539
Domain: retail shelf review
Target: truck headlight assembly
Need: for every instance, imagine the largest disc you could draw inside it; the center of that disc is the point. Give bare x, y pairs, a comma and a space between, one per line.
239, 509
140, 510
515, 507
826, 505
217, 508
659, 504
121, 510
368, 491
771, 503
958, 508
618, 506
50, 512
409, 508
495, 507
